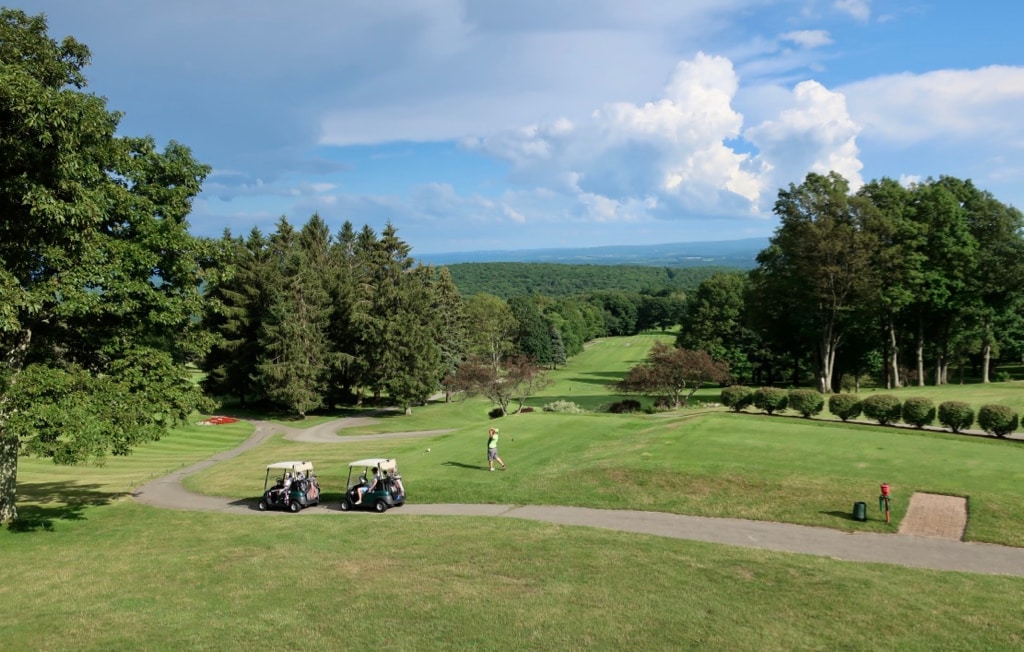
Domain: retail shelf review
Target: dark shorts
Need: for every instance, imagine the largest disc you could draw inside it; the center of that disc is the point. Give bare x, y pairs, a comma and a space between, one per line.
492, 453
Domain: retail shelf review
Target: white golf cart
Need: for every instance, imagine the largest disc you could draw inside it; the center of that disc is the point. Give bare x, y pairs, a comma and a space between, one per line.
363, 493
295, 486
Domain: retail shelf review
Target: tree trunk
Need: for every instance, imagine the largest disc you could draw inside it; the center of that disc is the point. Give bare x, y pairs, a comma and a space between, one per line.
986, 361
828, 346
8, 477
9, 444
894, 358
920, 352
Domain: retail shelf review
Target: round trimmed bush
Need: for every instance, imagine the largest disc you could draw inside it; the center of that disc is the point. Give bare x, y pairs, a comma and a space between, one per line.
808, 402
956, 415
844, 406
883, 408
918, 411
998, 420
737, 397
771, 399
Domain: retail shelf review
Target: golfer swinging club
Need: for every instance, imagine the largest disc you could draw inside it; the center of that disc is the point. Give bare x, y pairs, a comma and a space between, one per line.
492, 449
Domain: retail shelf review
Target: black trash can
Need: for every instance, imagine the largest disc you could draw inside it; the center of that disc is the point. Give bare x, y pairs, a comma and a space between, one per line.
860, 511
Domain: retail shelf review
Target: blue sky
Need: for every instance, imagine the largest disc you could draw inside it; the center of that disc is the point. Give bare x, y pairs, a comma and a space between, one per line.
485, 124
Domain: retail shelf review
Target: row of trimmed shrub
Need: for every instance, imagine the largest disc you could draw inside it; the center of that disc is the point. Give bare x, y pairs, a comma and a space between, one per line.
917, 411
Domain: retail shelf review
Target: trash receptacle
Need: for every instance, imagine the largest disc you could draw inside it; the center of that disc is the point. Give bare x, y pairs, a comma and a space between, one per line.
860, 511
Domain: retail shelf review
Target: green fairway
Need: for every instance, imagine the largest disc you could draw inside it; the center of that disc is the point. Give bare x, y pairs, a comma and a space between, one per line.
130, 577
127, 576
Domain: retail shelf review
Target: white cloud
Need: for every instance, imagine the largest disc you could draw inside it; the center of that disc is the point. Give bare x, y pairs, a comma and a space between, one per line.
808, 38
815, 135
859, 9
944, 105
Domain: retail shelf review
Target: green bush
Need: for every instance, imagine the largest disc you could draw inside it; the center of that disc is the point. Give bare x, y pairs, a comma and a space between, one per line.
844, 406
956, 415
918, 411
998, 420
808, 402
563, 407
883, 408
771, 399
737, 397
626, 406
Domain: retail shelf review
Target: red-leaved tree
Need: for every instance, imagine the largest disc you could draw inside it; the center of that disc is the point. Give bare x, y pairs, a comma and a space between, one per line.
670, 371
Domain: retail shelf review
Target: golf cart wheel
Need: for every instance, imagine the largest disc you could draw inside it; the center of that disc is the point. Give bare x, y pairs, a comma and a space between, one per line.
294, 507
380, 506
262, 506
346, 505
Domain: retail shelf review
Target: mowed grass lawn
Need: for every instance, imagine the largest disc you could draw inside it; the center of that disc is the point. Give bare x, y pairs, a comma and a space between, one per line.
125, 576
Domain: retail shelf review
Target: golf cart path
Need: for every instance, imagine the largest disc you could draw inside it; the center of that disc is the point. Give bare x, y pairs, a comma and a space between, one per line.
931, 552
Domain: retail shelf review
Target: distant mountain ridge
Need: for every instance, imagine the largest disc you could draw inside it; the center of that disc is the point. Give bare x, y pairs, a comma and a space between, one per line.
741, 254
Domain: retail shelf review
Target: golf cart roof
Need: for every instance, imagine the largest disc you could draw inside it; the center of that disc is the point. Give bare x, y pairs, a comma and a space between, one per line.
381, 463
291, 466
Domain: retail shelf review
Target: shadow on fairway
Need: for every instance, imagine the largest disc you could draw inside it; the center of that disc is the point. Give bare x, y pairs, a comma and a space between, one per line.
846, 516
599, 377
56, 501
477, 467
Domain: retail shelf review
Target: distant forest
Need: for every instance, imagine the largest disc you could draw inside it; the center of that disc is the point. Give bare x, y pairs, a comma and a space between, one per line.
508, 280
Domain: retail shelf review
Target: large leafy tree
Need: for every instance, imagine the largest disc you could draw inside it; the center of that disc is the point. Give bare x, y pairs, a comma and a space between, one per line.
99, 277
491, 327
714, 321
942, 292
896, 259
532, 336
816, 264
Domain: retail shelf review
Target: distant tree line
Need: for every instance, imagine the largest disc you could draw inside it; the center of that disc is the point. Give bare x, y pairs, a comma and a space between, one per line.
508, 280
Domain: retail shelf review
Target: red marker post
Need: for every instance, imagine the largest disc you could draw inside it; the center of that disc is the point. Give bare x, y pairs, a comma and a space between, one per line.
883, 501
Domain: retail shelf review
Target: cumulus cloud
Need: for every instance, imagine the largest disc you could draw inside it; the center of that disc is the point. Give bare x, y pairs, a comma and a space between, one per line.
817, 134
685, 152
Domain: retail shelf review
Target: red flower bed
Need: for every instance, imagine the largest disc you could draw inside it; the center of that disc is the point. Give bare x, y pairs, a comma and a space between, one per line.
220, 421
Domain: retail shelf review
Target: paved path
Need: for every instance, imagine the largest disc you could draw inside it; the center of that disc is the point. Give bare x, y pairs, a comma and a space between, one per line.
906, 550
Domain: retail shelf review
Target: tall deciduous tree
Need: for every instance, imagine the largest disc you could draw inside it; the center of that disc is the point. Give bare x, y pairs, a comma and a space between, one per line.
532, 338
491, 326
896, 263
818, 260
714, 321
99, 277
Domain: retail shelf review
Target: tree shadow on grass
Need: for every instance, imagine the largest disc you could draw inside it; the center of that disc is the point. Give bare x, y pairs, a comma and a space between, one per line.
56, 501
599, 377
